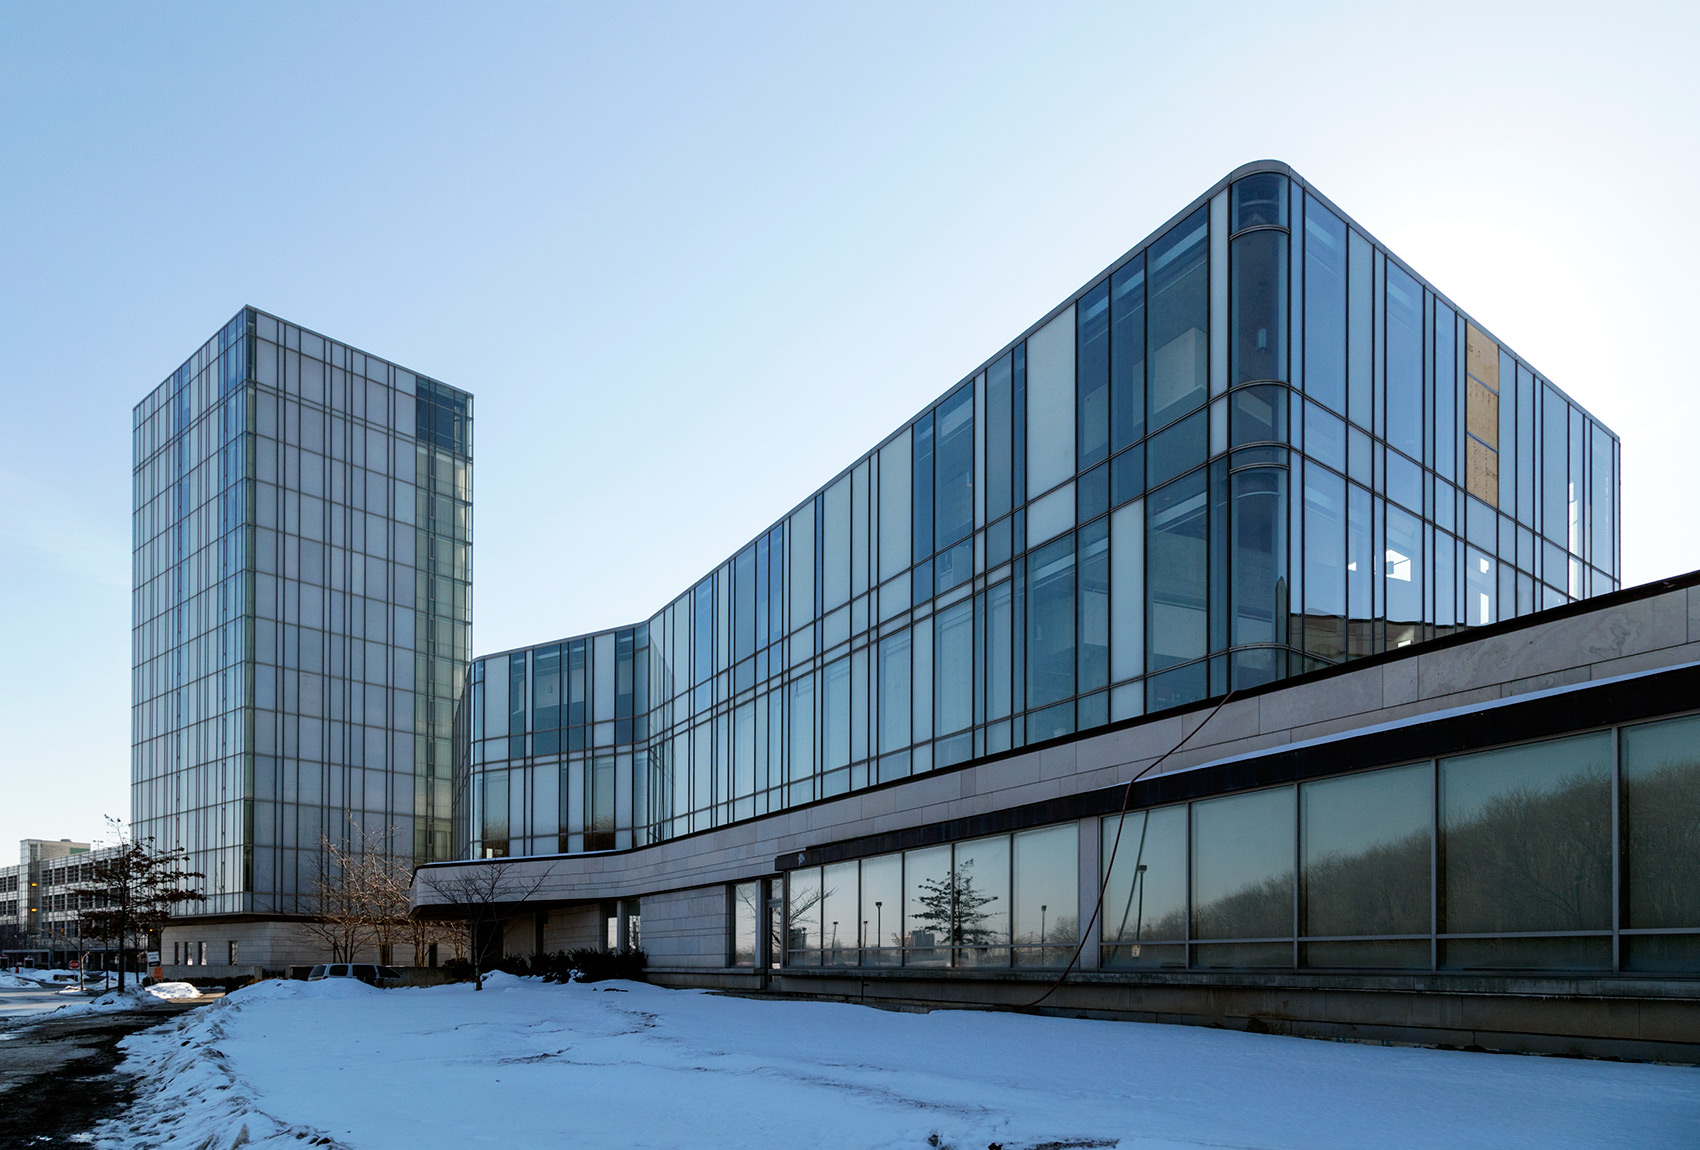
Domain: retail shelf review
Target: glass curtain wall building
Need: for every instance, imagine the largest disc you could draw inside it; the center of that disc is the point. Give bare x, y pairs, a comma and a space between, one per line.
1257, 445
302, 616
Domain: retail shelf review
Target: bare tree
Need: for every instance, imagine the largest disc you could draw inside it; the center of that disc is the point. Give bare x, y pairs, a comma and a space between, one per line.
342, 921
482, 893
134, 890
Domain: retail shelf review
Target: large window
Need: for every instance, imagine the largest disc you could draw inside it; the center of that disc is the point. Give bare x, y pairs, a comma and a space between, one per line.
1365, 867
1661, 843
1526, 849
1178, 306
1325, 306
1050, 623
1177, 588
1144, 916
1242, 886
986, 902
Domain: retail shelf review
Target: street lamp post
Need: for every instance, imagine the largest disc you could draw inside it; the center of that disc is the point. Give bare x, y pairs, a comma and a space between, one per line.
1139, 916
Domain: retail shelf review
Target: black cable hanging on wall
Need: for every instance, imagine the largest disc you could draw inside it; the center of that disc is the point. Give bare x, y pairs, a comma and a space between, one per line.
1108, 866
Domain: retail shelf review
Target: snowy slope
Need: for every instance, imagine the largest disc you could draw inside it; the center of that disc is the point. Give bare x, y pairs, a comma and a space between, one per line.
614, 1065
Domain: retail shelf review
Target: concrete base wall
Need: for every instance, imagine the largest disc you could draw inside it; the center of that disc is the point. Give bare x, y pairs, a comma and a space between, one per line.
572, 928
267, 944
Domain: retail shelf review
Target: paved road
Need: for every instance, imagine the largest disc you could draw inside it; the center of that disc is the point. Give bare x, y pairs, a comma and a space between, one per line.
56, 1074
22, 1003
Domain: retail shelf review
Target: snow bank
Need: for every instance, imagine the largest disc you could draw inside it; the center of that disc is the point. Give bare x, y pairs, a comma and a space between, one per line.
625, 1064
173, 990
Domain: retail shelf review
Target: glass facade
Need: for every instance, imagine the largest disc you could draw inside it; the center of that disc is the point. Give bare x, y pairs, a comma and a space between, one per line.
997, 901
1569, 854
302, 616
1255, 446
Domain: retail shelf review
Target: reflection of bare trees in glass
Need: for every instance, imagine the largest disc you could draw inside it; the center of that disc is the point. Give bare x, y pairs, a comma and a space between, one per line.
1662, 845
801, 902
1383, 889
1263, 909
746, 919
1532, 860
952, 908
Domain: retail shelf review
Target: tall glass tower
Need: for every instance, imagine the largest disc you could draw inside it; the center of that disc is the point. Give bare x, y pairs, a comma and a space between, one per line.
302, 616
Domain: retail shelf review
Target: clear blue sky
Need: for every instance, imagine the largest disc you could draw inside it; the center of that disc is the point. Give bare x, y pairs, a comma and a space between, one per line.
692, 259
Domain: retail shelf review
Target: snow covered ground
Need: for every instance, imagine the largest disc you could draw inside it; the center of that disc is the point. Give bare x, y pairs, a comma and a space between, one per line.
627, 1065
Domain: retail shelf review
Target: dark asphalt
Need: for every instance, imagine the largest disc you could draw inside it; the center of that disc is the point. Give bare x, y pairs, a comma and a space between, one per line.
57, 1076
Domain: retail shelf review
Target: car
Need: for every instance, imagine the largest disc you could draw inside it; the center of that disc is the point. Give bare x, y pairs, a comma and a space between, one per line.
369, 973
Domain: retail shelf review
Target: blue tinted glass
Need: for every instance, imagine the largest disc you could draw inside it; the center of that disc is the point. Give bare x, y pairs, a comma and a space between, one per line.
1404, 362
1094, 629
1093, 494
1127, 354
1555, 415
1178, 564
1258, 415
1404, 481
1404, 572
1127, 475
954, 474
1092, 376
1325, 437
1178, 307
1325, 563
922, 521
1259, 306
1360, 319
1445, 391
1325, 306
1259, 556
998, 446
1179, 449
1050, 622
1259, 201
702, 613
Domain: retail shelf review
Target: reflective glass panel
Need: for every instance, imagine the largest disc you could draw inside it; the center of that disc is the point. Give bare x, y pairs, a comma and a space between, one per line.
1325, 563
1242, 866
953, 474
1177, 551
841, 906
1404, 362
1260, 306
1325, 306
1365, 852
955, 667
979, 920
1178, 305
1145, 900
746, 900
1526, 838
894, 687
928, 897
1259, 528
1050, 404
1047, 893
1661, 823
1092, 371
1050, 623
802, 917
1127, 354
882, 910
